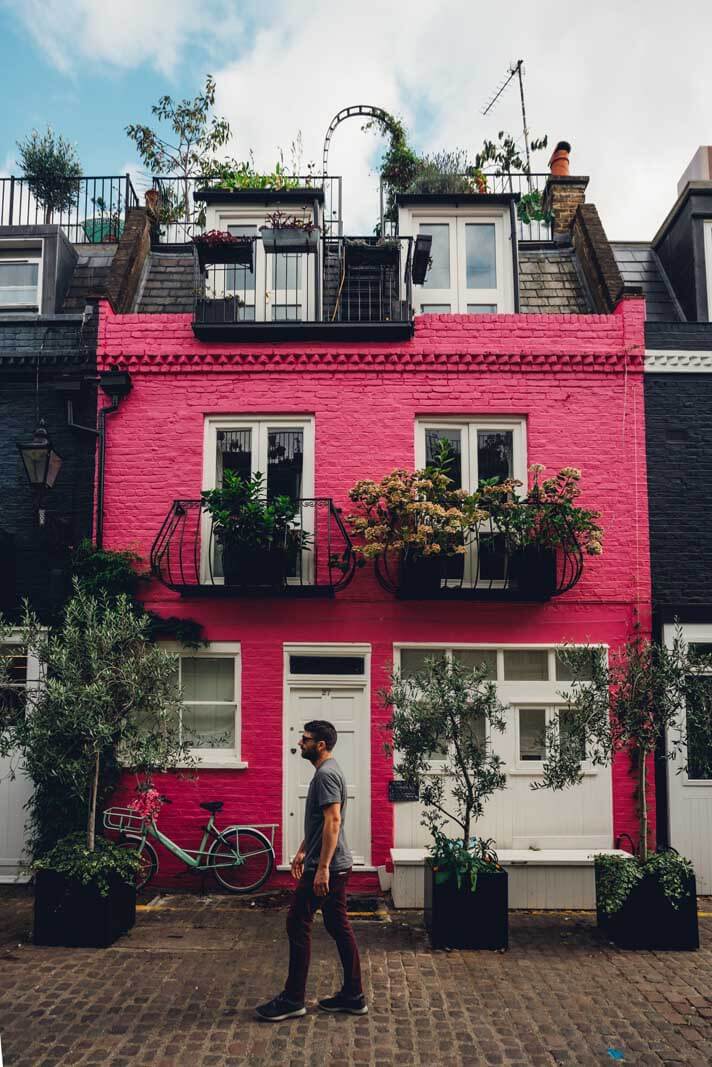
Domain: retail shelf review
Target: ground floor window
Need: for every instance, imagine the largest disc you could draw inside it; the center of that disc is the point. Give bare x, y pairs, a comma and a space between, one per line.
209, 680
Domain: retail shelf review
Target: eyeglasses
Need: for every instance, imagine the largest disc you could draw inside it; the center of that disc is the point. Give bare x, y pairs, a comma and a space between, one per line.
306, 739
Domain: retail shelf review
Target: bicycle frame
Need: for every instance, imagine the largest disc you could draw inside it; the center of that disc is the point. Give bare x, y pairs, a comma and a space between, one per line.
192, 857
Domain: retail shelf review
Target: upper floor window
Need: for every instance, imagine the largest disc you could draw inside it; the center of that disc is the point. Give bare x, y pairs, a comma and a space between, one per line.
20, 277
472, 267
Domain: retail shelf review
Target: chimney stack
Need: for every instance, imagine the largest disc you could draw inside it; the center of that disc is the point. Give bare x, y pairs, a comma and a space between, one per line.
564, 193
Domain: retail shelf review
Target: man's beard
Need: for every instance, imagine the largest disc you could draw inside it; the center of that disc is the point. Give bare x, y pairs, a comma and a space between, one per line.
306, 754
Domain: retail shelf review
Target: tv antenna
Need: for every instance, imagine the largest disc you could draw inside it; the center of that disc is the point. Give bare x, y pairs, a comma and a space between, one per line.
516, 70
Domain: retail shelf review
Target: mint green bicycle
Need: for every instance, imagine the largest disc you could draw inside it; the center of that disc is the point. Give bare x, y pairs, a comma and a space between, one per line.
240, 857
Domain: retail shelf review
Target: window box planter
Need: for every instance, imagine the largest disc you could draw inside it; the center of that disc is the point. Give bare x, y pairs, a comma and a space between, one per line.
533, 570
240, 252
290, 239
220, 309
377, 254
648, 920
459, 918
255, 567
77, 916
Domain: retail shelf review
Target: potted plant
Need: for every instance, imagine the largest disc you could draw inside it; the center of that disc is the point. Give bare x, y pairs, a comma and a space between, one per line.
645, 700
289, 233
52, 171
538, 527
376, 252
216, 246
257, 535
448, 711
108, 701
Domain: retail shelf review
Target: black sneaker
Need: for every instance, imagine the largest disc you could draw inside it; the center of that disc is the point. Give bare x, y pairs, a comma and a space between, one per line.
352, 1005
280, 1008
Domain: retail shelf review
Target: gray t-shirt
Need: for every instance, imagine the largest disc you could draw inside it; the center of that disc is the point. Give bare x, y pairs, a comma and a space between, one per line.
328, 786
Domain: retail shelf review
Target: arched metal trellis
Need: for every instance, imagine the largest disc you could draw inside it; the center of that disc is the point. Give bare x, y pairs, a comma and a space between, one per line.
356, 111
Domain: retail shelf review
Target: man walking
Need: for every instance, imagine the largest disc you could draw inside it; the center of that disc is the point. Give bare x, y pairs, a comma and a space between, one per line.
321, 867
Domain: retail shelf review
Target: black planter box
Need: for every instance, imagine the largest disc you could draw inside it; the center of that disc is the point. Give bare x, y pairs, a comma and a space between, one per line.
459, 918
73, 915
420, 576
227, 309
255, 567
372, 255
230, 252
648, 920
533, 571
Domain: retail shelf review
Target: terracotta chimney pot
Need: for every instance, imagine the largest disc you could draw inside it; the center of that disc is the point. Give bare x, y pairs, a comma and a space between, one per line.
559, 162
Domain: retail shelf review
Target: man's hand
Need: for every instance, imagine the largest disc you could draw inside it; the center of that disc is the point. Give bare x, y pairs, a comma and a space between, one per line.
321, 881
298, 865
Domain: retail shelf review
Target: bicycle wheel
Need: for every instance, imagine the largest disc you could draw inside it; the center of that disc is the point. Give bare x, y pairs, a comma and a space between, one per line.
255, 851
147, 856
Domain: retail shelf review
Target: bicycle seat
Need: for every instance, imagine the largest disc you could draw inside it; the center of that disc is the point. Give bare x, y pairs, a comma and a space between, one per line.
212, 806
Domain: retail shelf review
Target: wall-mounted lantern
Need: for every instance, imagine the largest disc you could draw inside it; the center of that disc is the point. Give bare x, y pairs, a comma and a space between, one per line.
42, 464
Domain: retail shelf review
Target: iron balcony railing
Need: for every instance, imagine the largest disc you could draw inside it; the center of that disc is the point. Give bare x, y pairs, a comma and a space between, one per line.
93, 210
182, 216
316, 558
488, 569
344, 280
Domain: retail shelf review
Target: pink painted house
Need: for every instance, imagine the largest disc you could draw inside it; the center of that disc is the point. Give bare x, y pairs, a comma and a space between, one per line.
323, 367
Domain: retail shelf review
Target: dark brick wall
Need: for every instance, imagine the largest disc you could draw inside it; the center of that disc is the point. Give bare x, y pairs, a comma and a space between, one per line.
679, 453
37, 558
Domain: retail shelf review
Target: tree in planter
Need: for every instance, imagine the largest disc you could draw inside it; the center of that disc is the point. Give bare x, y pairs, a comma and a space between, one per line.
52, 171
505, 155
647, 698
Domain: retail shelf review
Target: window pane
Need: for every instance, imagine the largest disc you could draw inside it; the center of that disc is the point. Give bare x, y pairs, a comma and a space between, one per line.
203, 678
480, 255
286, 312
439, 273
209, 725
699, 753
526, 666
346, 665
234, 453
481, 309
241, 278
285, 463
413, 660
492, 558
495, 454
699, 649
565, 672
432, 447
569, 737
435, 309
532, 727
478, 657
18, 283
286, 271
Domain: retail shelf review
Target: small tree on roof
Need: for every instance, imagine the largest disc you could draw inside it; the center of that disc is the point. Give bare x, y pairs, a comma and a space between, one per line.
51, 169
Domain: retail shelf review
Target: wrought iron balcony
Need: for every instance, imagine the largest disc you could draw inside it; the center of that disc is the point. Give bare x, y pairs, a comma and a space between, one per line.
360, 287
317, 561
486, 570
93, 211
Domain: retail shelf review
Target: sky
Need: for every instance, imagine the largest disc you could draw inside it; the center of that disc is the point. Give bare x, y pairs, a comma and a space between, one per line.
629, 84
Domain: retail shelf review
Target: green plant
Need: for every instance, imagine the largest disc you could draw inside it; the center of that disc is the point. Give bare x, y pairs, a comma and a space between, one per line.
452, 859
400, 163
98, 866
280, 220
109, 697
112, 216
531, 209
645, 694
187, 150
617, 876
103, 572
243, 517
52, 171
234, 175
506, 156
445, 172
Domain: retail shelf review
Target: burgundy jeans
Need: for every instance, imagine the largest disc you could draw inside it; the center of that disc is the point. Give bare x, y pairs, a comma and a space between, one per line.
299, 926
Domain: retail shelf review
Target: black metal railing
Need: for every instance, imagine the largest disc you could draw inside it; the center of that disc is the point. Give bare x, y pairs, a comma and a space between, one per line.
487, 569
93, 210
182, 217
315, 559
345, 280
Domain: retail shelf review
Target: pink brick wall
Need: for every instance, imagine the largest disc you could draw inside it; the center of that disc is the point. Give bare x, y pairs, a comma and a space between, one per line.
576, 379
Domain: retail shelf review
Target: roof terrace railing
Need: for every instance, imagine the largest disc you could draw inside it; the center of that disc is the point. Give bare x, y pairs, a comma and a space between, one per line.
94, 210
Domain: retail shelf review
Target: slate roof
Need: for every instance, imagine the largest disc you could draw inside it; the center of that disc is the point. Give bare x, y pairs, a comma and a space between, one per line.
89, 279
549, 282
640, 266
167, 284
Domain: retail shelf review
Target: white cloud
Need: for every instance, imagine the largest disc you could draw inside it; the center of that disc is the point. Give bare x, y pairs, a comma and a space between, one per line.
628, 85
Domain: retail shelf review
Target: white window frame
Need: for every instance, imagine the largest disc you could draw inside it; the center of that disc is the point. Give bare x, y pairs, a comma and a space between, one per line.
707, 229
468, 427
265, 292
216, 758
24, 252
458, 296
514, 695
692, 633
260, 425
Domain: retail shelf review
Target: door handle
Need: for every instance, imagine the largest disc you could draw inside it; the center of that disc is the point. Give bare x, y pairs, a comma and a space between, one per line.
293, 751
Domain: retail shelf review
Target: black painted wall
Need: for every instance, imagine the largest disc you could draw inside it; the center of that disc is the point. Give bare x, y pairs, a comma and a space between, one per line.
680, 247
38, 558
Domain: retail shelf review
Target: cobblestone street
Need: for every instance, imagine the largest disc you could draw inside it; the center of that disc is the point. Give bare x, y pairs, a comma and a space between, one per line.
179, 991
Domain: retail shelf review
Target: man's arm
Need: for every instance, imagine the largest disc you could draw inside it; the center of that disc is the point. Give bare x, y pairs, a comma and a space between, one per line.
329, 841
298, 863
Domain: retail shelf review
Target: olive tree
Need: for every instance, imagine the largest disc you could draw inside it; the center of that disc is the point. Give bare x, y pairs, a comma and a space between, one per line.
51, 169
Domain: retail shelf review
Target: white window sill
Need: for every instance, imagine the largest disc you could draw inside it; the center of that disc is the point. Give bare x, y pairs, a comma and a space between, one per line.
537, 772
215, 762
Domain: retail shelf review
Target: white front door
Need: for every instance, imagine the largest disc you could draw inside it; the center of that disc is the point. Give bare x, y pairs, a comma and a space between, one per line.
690, 790
343, 701
15, 786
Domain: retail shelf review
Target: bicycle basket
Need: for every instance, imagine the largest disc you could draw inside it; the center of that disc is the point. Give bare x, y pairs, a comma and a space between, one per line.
125, 819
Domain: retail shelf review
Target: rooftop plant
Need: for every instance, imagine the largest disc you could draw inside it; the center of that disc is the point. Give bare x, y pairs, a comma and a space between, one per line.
51, 169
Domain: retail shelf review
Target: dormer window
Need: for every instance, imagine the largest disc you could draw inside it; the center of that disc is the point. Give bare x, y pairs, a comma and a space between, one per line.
472, 270
20, 270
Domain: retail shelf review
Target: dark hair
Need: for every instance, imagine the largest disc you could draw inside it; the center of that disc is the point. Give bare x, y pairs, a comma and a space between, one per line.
321, 730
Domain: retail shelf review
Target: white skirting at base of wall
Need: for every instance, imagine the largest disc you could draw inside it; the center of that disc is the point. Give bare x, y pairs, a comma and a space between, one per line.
552, 879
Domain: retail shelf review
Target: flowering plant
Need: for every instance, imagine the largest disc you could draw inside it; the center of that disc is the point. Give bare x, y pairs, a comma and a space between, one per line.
279, 220
216, 238
148, 803
548, 516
